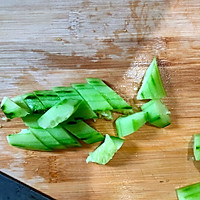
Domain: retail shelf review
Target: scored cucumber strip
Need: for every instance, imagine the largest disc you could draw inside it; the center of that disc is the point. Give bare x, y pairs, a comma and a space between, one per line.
27, 140
117, 102
63, 136
84, 111
190, 192
126, 125
58, 113
196, 146
11, 109
83, 132
33, 102
46, 138
152, 86
104, 153
31, 120
157, 113
47, 97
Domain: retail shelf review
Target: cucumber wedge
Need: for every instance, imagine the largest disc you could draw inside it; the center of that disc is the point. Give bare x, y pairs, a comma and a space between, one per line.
190, 192
83, 132
46, 138
104, 153
58, 113
157, 113
196, 146
152, 86
31, 120
47, 97
27, 140
11, 109
126, 125
118, 104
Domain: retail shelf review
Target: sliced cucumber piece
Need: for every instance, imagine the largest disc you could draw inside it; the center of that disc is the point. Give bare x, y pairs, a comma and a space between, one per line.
48, 97
117, 102
190, 192
104, 153
11, 109
27, 140
196, 146
58, 113
152, 86
31, 120
157, 113
46, 138
63, 136
126, 125
83, 132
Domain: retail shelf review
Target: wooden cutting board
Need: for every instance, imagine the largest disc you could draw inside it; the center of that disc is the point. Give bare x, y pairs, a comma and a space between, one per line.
55, 43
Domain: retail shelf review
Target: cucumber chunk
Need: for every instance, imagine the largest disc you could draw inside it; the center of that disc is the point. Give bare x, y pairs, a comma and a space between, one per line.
196, 146
190, 192
152, 86
27, 140
126, 125
46, 138
157, 113
11, 109
58, 113
83, 132
104, 153
31, 120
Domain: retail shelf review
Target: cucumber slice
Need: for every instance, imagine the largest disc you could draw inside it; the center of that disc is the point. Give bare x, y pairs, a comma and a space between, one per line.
63, 136
83, 132
11, 109
84, 111
190, 192
47, 97
196, 146
58, 113
157, 113
46, 138
27, 140
152, 86
104, 153
117, 141
118, 104
126, 125
33, 103
31, 120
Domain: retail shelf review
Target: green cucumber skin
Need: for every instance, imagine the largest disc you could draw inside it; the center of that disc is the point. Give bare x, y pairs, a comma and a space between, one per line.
58, 113
31, 120
11, 109
196, 147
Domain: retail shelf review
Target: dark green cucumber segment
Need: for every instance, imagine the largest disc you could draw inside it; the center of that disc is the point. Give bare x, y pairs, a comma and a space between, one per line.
48, 97
152, 86
11, 109
58, 113
31, 120
63, 136
84, 111
46, 138
33, 102
27, 140
21, 103
126, 125
196, 146
190, 192
104, 153
83, 132
157, 113
111, 96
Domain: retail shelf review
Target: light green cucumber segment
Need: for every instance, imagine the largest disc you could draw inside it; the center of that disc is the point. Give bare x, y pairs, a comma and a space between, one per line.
11, 109
157, 113
31, 120
196, 147
152, 86
83, 131
118, 103
190, 192
27, 140
126, 125
46, 138
47, 97
104, 153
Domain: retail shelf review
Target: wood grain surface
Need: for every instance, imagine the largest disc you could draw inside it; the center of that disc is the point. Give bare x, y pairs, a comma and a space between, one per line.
45, 43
